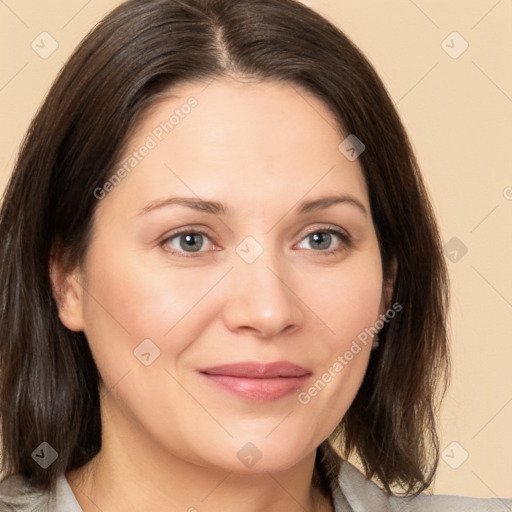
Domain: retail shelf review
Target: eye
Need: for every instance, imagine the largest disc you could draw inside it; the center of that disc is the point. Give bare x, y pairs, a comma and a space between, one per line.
327, 241
186, 241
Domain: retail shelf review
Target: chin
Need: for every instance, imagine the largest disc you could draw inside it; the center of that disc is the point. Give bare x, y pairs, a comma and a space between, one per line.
255, 455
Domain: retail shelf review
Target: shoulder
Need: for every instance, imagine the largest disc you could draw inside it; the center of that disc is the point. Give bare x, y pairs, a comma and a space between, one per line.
18, 495
440, 503
363, 495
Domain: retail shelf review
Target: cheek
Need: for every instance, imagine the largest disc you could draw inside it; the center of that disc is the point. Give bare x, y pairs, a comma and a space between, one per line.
127, 301
347, 300
348, 304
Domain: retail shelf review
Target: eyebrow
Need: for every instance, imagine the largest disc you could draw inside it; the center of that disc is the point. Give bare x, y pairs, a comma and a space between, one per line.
217, 208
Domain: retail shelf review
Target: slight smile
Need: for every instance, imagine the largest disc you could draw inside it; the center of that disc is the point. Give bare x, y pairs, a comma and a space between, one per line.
258, 381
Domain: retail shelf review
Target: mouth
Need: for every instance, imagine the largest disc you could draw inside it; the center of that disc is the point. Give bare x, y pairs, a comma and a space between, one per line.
257, 381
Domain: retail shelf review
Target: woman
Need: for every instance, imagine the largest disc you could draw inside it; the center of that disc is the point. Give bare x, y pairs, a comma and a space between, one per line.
172, 336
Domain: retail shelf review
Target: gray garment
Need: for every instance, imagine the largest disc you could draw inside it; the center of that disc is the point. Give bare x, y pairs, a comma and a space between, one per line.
356, 494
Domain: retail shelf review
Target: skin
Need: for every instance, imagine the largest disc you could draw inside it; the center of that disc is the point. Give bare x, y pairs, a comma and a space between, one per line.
170, 439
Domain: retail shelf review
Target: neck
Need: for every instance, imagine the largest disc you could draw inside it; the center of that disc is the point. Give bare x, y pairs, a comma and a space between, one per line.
132, 473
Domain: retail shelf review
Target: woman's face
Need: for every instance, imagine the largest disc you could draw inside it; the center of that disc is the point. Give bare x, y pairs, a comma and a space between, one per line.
234, 347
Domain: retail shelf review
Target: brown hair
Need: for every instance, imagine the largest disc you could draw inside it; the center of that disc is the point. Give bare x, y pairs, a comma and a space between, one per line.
48, 379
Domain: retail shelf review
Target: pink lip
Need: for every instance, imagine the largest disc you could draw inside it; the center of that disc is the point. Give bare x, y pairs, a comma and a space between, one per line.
258, 381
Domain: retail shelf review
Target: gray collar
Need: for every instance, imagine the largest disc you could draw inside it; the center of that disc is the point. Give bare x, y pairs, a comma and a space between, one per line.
354, 494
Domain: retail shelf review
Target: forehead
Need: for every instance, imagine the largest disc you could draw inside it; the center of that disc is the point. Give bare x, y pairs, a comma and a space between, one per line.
241, 140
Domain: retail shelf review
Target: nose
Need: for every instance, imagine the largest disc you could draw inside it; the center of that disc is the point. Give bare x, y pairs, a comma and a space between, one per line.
262, 300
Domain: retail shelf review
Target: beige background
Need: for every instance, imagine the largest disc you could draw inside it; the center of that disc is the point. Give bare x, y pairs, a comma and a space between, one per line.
458, 112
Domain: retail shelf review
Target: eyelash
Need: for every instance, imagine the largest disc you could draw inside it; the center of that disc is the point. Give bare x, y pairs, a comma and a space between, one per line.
345, 238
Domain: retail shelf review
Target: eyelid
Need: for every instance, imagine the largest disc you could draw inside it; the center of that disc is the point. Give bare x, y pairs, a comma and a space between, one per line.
330, 228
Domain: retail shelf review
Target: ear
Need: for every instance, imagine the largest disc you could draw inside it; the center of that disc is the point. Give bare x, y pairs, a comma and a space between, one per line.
66, 289
388, 286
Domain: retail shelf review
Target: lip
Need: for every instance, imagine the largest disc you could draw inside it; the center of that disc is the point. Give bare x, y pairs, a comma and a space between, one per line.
258, 381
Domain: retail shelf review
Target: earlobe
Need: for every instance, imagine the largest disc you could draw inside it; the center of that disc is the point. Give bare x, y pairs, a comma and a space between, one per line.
67, 292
